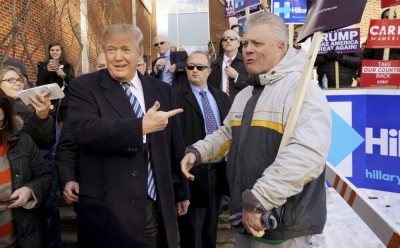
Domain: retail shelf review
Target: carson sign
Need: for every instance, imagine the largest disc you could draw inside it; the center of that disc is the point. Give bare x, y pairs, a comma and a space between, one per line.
389, 3
380, 73
384, 34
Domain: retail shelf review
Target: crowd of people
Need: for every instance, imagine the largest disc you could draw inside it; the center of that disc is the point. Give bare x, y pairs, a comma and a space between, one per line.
146, 154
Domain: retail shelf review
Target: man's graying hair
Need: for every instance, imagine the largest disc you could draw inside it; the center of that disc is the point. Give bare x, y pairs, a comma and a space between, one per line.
124, 30
278, 29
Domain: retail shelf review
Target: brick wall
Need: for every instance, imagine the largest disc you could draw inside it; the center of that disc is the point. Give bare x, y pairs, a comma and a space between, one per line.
44, 23
101, 14
40, 22
218, 22
148, 24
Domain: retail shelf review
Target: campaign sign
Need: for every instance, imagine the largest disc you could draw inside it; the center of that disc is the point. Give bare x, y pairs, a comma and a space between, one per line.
242, 4
341, 40
366, 137
380, 73
389, 3
229, 8
252, 10
291, 11
242, 23
327, 15
384, 34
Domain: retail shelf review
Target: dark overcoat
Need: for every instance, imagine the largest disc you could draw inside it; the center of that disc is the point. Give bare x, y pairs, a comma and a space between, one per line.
113, 162
215, 78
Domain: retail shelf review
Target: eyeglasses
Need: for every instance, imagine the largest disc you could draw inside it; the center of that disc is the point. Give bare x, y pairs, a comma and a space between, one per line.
161, 43
230, 38
14, 80
191, 67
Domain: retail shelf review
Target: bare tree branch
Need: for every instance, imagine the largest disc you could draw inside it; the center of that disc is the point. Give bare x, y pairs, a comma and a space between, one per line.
42, 30
76, 35
23, 40
14, 29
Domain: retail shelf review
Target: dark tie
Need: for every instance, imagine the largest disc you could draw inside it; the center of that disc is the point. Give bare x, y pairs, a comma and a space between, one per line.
209, 118
151, 186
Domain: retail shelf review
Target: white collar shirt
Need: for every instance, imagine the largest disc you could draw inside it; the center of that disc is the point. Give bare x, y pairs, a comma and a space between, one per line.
224, 75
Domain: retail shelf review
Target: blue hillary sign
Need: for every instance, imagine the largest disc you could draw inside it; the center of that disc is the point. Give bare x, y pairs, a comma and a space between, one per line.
366, 137
242, 4
291, 11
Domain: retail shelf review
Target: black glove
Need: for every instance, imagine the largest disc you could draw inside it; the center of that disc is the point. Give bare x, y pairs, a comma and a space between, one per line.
332, 55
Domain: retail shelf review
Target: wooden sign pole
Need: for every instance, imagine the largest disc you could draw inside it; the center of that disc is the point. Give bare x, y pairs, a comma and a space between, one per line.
291, 34
386, 51
301, 89
337, 74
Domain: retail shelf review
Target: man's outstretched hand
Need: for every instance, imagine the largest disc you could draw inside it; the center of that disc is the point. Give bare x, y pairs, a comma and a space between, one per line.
187, 163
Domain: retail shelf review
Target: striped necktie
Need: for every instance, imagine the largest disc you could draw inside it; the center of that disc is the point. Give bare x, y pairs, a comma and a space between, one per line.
151, 186
209, 117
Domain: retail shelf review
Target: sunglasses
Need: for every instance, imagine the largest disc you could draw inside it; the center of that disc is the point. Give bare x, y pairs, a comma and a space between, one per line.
230, 38
191, 67
161, 43
387, 17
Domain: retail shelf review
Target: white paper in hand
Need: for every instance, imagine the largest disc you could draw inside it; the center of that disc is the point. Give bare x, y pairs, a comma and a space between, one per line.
53, 89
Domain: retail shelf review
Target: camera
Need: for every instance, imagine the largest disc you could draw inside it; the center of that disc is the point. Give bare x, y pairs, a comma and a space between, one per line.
53, 62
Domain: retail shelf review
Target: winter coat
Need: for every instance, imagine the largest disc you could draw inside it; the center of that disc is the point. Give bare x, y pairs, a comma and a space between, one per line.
113, 162
48, 77
28, 168
349, 63
42, 131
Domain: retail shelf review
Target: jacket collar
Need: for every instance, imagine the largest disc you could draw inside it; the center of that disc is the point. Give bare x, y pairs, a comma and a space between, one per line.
116, 96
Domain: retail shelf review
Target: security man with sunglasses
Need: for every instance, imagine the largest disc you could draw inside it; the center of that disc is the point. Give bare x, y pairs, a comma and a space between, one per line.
170, 66
228, 71
204, 109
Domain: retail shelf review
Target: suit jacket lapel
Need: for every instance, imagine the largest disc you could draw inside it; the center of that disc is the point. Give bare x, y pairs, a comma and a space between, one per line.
149, 91
115, 95
190, 97
218, 97
172, 57
238, 59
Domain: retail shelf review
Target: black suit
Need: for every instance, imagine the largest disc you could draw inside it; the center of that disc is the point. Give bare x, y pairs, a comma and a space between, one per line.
210, 179
113, 162
179, 59
215, 78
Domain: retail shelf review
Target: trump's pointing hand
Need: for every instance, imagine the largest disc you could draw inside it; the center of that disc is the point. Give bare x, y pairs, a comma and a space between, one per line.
154, 120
